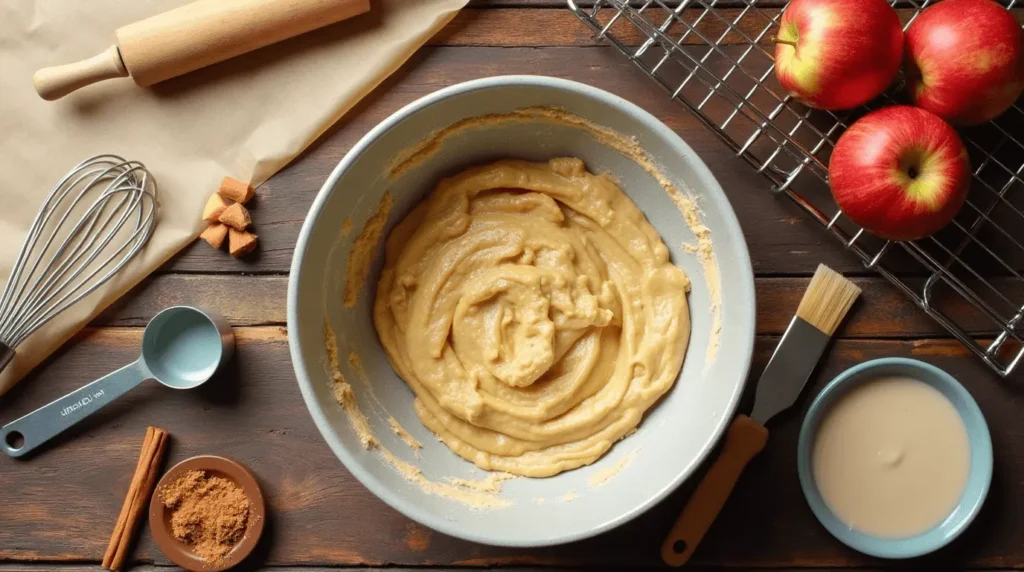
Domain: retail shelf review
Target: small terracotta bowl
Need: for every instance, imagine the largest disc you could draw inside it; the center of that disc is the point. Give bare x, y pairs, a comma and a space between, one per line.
160, 516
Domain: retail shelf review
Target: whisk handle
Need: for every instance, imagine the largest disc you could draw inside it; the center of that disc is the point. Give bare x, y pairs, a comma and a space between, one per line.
25, 434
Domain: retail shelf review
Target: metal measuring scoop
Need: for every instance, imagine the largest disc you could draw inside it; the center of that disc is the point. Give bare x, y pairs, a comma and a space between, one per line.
182, 347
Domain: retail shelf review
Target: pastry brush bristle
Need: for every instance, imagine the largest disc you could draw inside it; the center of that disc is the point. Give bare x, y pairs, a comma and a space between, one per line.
827, 300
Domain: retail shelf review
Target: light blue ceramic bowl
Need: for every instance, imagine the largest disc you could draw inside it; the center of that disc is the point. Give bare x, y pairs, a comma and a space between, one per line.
674, 437
977, 482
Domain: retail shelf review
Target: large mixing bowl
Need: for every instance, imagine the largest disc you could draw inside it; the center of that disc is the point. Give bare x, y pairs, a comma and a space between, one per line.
675, 435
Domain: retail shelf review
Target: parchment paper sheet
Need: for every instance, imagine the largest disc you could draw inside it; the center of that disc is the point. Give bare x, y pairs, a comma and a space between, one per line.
245, 118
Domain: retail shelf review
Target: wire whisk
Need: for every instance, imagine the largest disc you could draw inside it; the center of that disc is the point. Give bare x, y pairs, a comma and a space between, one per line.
97, 218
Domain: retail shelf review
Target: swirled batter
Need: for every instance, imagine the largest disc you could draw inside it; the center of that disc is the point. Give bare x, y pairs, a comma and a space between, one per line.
535, 313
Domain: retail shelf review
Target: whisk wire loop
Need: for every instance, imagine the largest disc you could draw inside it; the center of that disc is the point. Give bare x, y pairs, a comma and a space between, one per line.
74, 246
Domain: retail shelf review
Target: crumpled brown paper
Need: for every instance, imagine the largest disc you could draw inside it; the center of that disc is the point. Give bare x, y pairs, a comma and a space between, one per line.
245, 118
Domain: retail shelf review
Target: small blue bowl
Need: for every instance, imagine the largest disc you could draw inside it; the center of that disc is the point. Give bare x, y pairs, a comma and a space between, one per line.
978, 480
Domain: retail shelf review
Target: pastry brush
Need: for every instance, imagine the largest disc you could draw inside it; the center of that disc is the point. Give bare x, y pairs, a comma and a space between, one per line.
825, 303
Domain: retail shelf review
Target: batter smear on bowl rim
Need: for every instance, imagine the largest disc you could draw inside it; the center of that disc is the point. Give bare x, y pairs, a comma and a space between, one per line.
535, 313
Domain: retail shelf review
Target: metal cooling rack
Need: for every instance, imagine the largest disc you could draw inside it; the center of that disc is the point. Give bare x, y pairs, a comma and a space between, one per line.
716, 58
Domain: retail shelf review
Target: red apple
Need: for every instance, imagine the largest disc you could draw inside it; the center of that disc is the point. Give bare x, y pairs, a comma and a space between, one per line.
900, 172
838, 54
964, 60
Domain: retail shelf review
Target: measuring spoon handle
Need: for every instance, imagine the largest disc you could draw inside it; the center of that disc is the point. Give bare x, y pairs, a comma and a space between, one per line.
25, 434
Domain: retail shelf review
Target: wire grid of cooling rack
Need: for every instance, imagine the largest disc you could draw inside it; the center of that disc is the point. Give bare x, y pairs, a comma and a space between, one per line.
716, 59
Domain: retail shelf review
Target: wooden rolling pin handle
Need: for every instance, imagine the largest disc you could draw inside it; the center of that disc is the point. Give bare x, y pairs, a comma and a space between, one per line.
744, 439
57, 81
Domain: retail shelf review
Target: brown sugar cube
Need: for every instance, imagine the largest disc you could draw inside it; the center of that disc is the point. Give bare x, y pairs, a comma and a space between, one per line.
214, 206
215, 234
240, 242
235, 190
236, 216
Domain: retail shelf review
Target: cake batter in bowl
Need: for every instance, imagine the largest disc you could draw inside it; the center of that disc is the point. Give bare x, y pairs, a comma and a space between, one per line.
367, 413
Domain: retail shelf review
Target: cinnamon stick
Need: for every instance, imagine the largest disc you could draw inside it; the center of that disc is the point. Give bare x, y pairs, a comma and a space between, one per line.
141, 488
115, 538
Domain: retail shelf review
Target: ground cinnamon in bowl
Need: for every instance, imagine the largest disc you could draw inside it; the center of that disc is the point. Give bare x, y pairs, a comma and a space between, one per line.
209, 513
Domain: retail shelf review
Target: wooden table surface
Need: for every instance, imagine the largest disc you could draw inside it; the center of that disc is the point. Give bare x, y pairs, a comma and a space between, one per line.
57, 508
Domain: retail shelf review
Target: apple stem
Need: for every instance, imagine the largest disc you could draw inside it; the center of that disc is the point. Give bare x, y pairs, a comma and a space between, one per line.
777, 40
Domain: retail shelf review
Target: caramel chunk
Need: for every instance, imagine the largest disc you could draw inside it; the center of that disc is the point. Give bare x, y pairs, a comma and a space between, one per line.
215, 234
214, 207
236, 216
240, 242
235, 190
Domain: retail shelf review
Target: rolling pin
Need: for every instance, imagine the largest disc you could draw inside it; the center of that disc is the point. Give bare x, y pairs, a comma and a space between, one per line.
194, 36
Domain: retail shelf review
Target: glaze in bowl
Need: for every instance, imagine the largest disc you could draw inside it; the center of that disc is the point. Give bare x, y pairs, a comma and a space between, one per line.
675, 435
979, 475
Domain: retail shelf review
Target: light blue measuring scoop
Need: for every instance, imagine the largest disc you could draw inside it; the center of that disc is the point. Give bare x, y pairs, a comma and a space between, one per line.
182, 347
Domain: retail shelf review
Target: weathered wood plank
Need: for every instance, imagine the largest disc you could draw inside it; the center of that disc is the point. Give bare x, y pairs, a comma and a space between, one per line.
559, 27
261, 300
164, 568
589, 3
61, 502
906, 4
515, 27
545, 27
243, 300
884, 311
786, 240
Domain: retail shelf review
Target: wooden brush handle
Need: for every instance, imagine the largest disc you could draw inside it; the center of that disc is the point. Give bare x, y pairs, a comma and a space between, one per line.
57, 81
744, 439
